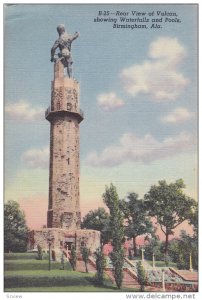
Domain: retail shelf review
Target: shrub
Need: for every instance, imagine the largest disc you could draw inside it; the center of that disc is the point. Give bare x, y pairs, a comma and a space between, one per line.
39, 253
141, 276
73, 258
100, 265
85, 255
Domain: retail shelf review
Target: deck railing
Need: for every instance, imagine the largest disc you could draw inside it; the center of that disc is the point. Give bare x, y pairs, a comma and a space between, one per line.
48, 110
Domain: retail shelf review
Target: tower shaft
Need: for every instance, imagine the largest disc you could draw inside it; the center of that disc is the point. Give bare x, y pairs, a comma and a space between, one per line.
64, 116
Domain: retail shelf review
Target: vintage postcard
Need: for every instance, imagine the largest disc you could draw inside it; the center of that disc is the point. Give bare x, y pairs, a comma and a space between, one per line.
101, 157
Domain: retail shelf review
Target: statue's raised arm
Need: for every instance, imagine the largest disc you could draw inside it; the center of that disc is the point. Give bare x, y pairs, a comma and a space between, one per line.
75, 36
64, 44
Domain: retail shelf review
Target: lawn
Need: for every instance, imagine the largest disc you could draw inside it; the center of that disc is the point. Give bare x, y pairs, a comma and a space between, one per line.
24, 273
160, 263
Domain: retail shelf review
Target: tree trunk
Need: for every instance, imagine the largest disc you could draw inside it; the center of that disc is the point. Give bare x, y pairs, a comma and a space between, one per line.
134, 246
166, 244
86, 267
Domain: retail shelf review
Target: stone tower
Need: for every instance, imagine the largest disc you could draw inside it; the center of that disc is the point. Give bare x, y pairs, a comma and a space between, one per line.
64, 116
64, 217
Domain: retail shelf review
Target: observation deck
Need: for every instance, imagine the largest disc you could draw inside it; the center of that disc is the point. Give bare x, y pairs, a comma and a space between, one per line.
50, 114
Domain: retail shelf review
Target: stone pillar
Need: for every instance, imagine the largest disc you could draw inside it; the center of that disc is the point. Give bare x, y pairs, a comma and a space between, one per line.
64, 117
190, 263
142, 254
153, 260
163, 280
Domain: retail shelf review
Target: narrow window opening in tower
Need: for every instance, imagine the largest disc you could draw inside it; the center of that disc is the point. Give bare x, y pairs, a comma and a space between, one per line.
69, 106
82, 244
58, 105
68, 161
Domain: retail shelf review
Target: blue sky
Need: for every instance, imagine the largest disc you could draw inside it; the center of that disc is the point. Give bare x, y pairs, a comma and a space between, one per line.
138, 90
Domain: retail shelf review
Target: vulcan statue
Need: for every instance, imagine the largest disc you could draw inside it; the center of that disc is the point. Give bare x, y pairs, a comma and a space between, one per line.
64, 44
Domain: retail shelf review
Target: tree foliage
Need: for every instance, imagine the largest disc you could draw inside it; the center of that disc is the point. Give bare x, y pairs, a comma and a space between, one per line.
85, 252
62, 262
73, 258
141, 276
154, 246
181, 248
39, 252
117, 257
98, 219
138, 223
193, 219
15, 228
169, 205
100, 265
111, 199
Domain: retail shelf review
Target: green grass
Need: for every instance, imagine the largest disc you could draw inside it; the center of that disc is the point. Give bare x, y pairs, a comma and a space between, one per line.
70, 289
24, 264
47, 279
24, 273
160, 263
20, 256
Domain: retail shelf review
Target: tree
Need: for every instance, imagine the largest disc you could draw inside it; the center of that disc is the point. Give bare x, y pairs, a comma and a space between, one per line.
141, 276
98, 219
85, 252
169, 205
73, 258
100, 265
111, 199
153, 247
39, 252
15, 228
138, 222
62, 261
193, 219
181, 248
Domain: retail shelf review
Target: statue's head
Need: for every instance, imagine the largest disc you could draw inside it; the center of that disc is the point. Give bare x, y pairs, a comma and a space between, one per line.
61, 28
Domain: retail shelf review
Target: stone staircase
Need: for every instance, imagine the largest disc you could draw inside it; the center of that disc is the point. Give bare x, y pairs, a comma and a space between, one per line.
186, 275
128, 280
80, 266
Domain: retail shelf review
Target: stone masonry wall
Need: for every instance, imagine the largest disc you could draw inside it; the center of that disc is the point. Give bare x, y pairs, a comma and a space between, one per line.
81, 238
64, 208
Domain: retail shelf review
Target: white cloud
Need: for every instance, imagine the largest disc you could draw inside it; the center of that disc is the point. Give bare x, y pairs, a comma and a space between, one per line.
145, 150
36, 158
179, 115
158, 76
23, 111
109, 101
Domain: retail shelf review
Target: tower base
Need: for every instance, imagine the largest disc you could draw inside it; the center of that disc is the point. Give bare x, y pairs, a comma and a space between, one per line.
61, 239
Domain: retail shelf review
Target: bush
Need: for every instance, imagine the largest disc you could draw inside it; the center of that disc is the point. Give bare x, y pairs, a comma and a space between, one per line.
141, 276
117, 258
62, 267
85, 252
100, 265
73, 258
167, 260
39, 253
